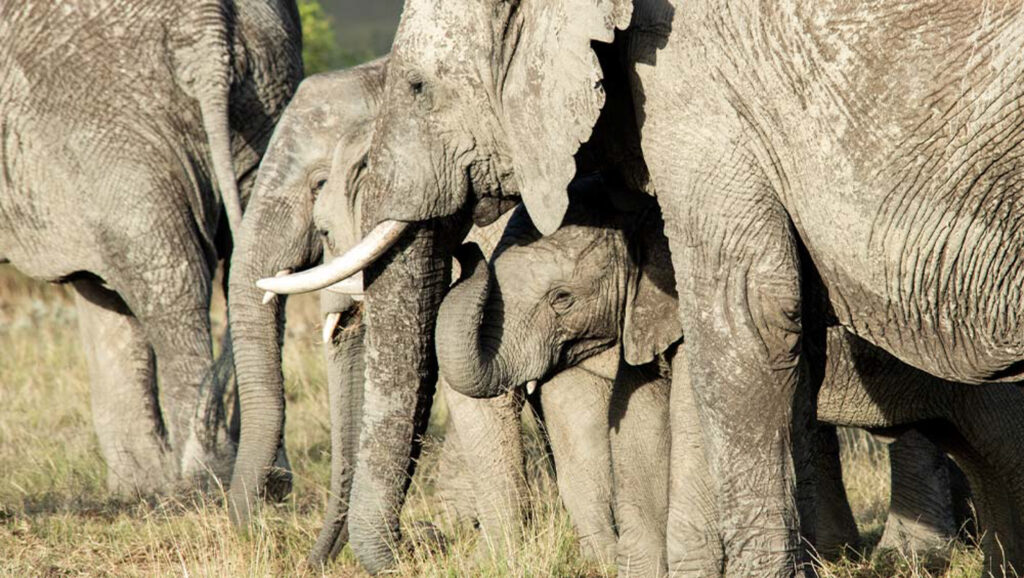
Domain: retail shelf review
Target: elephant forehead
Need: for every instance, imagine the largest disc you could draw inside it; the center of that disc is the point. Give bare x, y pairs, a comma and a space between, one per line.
533, 269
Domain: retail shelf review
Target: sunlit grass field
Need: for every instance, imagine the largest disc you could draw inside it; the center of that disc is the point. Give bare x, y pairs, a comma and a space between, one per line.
57, 519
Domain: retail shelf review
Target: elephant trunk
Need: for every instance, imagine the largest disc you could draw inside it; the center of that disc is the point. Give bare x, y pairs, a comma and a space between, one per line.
345, 377
468, 357
404, 290
257, 330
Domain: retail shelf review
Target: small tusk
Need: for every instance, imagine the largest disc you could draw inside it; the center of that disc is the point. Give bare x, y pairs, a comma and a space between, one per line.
331, 321
269, 295
349, 286
357, 298
531, 386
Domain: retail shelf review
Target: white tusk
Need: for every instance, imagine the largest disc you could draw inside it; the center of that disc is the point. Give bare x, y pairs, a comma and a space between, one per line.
531, 386
331, 321
357, 298
269, 295
350, 286
380, 239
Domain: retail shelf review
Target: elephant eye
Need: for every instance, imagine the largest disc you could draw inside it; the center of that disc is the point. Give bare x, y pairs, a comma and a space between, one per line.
416, 87
317, 181
561, 301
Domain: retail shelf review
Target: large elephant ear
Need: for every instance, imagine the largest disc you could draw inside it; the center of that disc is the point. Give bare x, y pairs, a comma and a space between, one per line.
651, 322
553, 95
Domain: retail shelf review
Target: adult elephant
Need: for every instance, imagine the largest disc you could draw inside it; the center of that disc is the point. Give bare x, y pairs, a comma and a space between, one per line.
788, 144
126, 133
328, 124
603, 281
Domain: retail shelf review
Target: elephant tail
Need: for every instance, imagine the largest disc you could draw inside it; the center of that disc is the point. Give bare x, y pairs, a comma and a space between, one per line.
204, 63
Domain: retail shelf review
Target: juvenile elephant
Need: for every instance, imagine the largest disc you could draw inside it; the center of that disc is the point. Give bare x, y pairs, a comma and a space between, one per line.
127, 130
605, 279
328, 120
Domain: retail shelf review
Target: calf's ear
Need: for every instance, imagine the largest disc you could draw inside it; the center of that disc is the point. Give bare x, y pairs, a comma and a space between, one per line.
651, 321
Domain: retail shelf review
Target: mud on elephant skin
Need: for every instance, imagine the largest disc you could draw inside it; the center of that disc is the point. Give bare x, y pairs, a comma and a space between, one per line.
125, 180
528, 302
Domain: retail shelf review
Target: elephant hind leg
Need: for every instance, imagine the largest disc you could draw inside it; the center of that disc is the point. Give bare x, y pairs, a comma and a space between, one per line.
989, 424
124, 398
920, 518
836, 527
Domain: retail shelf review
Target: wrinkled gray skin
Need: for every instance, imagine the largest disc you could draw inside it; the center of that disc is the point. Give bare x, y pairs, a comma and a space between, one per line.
559, 298
869, 146
327, 123
329, 120
126, 133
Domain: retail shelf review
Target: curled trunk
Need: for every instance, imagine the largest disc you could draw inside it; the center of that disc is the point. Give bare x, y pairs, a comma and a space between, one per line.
345, 376
467, 363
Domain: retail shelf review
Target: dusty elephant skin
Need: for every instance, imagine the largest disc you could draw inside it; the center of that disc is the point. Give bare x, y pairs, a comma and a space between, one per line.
126, 134
872, 147
328, 122
599, 267
293, 213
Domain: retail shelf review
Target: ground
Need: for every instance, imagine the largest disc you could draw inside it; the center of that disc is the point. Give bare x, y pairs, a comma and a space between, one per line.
56, 518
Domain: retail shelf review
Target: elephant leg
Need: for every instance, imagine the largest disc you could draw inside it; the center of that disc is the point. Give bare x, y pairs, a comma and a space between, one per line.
175, 316
576, 403
640, 442
490, 439
692, 524
739, 282
345, 376
124, 403
989, 424
920, 520
836, 527
455, 486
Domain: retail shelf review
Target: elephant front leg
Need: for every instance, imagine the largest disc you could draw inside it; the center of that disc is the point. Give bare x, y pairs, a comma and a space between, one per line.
738, 276
124, 404
575, 404
489, 438
640, 445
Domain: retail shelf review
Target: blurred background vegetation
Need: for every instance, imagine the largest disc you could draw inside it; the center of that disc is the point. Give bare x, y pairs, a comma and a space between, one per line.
341, 33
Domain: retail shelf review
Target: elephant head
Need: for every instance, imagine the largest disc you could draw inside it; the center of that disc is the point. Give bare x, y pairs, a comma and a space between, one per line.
328, 122
544, 304
484, 102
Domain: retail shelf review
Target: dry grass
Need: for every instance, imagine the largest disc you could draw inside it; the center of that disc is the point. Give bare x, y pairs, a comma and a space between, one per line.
57, 519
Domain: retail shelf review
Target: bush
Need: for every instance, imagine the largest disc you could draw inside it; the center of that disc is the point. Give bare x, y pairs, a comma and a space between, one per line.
320, 49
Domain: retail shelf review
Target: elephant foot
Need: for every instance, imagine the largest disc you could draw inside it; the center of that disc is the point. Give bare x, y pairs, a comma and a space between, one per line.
279, 478
426, 539
152, 480
207, 466
909, 540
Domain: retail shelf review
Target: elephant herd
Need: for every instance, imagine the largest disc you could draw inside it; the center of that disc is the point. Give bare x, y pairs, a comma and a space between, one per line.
706, 234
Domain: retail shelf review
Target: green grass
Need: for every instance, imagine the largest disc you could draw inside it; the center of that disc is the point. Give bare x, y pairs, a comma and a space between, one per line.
57, 519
